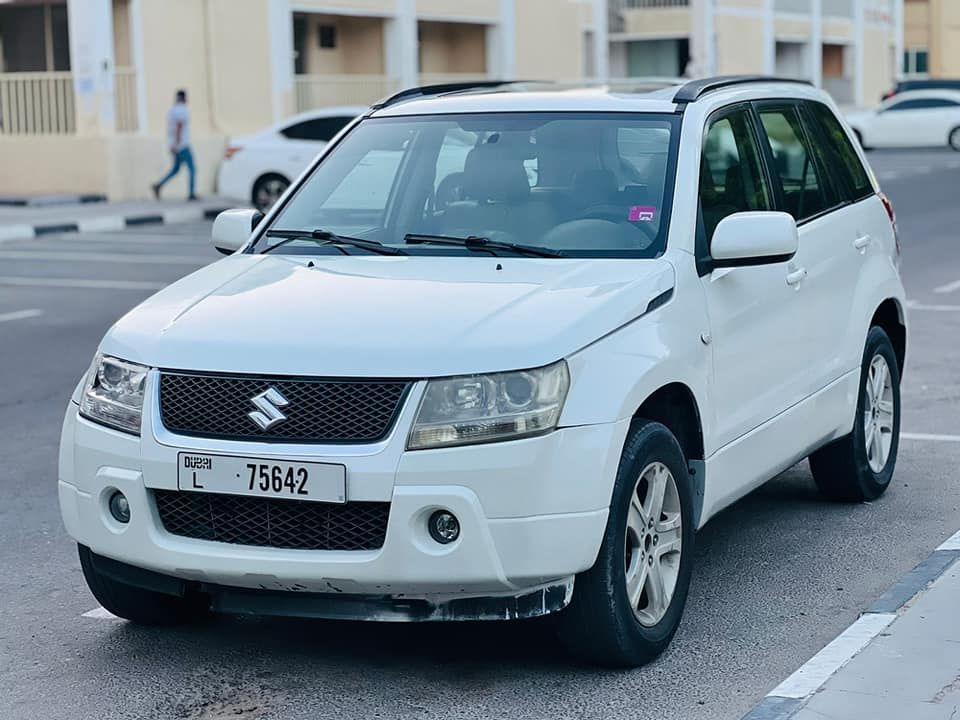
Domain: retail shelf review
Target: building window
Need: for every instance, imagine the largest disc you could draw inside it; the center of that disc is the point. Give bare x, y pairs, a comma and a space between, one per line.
327, 35
915, 62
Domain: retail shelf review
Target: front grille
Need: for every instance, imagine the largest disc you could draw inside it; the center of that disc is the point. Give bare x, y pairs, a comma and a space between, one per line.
317, 410
266, 522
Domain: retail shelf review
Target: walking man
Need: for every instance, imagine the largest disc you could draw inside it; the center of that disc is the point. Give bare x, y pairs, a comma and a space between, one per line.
178, 140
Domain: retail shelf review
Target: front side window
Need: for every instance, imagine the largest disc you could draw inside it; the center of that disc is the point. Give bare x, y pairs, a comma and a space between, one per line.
582, 184
731, 174
804, 191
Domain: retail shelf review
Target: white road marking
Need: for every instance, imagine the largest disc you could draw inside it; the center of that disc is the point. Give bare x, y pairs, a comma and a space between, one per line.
100, 613
20, 315
932, 308
948, 288
101, 224
81, 283
16, 232
951, 543
132, 258
932, 437
818, 669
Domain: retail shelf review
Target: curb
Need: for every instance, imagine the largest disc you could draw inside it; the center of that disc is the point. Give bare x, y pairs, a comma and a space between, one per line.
50, 200
793, 693
102, 223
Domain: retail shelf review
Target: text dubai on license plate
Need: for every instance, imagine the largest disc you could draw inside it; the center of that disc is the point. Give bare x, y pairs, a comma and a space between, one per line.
262, 477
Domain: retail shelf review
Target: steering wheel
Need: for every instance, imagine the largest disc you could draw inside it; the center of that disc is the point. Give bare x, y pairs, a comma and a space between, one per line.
614, 214
450, 190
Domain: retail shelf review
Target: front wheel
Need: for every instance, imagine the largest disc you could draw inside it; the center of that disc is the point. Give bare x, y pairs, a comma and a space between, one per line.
267, 190
860, 466
953, 139
627, 607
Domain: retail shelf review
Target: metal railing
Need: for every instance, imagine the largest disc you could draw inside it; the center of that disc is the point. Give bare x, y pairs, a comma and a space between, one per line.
37, 103
125, 106
655, 3
317, 91
442, 78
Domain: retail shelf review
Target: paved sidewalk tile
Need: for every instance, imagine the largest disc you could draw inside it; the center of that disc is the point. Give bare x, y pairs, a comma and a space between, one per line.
911, 671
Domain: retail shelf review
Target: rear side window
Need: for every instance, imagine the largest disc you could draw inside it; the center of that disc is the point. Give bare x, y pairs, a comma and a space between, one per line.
318, 129
731, 173
840, 153
922, 104
805, 192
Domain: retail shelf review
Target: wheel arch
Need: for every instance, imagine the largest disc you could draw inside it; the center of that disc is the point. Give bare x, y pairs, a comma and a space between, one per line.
889, 316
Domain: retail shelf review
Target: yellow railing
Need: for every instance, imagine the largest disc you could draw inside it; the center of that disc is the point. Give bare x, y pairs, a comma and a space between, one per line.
125, 106
318, 91
40, 103
444, 78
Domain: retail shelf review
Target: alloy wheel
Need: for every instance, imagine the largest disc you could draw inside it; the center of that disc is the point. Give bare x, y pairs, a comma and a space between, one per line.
654, 539
878, 414
268, 192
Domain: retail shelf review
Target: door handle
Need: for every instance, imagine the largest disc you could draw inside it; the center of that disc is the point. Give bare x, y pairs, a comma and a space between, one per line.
794, 278
862, 242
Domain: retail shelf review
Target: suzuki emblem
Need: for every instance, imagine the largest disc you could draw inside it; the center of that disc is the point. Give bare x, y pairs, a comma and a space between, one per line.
268, 404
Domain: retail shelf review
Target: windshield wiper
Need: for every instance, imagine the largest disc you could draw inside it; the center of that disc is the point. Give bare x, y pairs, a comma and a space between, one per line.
326, 237
480, 244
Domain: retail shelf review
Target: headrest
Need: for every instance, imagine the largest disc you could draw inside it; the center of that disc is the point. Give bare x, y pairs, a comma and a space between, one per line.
495, 172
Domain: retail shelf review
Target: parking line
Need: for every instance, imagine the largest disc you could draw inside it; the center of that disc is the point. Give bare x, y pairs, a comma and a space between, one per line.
81, 283
100, 613
932, 437
948, 288
20, 315
131, 258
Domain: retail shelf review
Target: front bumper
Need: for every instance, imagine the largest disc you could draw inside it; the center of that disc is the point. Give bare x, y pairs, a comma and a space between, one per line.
532, 513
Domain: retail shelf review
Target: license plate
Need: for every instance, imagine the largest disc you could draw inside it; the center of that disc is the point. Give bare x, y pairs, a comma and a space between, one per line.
262, 477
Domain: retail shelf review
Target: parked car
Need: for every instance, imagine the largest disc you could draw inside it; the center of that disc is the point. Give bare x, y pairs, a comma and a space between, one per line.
517, 393
259, 168
924, 84
918, 118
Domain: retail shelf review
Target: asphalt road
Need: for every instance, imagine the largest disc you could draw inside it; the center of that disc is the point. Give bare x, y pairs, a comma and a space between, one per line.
777, 575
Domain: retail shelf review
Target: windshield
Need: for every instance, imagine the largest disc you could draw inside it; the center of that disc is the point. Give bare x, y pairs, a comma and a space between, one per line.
580, 184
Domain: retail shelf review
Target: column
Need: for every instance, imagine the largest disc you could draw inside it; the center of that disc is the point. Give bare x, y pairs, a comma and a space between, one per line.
90, 24
403, 45
769, 40
858, 38
280, 27
506, 41
816, 42
601, 40
898, 40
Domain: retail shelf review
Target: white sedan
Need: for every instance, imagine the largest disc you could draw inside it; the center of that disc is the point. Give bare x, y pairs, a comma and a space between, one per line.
259, 168
920, 118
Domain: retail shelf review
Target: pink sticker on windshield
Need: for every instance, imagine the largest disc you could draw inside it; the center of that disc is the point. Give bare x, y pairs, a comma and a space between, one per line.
642, 213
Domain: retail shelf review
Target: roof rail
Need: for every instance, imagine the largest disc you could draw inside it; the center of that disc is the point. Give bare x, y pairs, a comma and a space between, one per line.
696, 89
442, 89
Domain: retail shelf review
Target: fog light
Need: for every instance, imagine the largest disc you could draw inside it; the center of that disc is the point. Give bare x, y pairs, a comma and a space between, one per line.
444, 527
119, 507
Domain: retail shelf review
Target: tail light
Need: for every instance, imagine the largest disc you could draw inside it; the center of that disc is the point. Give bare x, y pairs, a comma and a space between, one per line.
888, 206
231, 150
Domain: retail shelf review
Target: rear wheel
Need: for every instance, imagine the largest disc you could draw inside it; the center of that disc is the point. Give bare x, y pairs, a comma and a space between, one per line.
954, 139
138, 605
267, 190
859, 466
627, 607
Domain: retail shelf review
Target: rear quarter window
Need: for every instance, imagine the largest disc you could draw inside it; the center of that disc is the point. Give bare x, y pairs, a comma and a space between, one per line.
840, 152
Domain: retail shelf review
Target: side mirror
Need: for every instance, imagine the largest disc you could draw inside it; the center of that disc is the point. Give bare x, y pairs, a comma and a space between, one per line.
232, 229
754, 238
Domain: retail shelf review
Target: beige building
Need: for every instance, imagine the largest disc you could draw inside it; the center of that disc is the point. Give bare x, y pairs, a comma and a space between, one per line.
931, 43
849, 47
85, 84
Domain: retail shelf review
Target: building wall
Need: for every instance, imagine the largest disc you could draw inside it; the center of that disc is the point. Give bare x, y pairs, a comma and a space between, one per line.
488, 10
944, 38
550, 39
453, 48
360, 46
916, 24
734, 56
657, 22
122, 53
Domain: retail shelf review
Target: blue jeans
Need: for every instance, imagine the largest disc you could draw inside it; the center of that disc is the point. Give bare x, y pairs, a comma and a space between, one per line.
181, 157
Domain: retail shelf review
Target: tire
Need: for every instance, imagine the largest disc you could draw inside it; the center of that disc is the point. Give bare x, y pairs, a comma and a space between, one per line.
859, 137
850, 469
953, 140
135, 604
267, 190
601, 626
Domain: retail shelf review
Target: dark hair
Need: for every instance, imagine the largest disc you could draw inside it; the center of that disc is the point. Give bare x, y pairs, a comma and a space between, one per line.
181, 95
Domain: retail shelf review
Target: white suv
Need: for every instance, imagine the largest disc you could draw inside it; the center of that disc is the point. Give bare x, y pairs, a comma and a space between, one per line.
498, 354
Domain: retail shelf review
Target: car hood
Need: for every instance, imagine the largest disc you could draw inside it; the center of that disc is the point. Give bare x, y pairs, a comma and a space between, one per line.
385, 316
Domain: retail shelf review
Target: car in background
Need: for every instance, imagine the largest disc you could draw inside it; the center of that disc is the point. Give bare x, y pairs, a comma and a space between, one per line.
260, 167
918, 118
923, 84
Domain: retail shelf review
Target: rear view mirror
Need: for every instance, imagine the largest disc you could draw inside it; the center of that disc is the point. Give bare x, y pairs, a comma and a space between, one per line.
232, 229
754, 238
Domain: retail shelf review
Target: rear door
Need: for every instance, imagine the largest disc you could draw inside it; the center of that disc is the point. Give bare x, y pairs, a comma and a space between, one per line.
756, 318
914, 122
822, 270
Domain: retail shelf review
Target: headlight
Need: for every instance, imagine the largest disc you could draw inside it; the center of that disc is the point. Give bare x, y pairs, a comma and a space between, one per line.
486, 408
113, 393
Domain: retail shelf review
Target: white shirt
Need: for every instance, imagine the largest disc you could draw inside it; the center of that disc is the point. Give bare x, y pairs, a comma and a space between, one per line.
178, 114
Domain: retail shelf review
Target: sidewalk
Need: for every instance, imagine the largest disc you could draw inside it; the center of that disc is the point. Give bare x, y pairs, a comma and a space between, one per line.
18, 223
911, 670
900, 660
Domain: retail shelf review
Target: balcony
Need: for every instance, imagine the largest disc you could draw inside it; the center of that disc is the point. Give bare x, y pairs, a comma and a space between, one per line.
37, 103
318, 91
